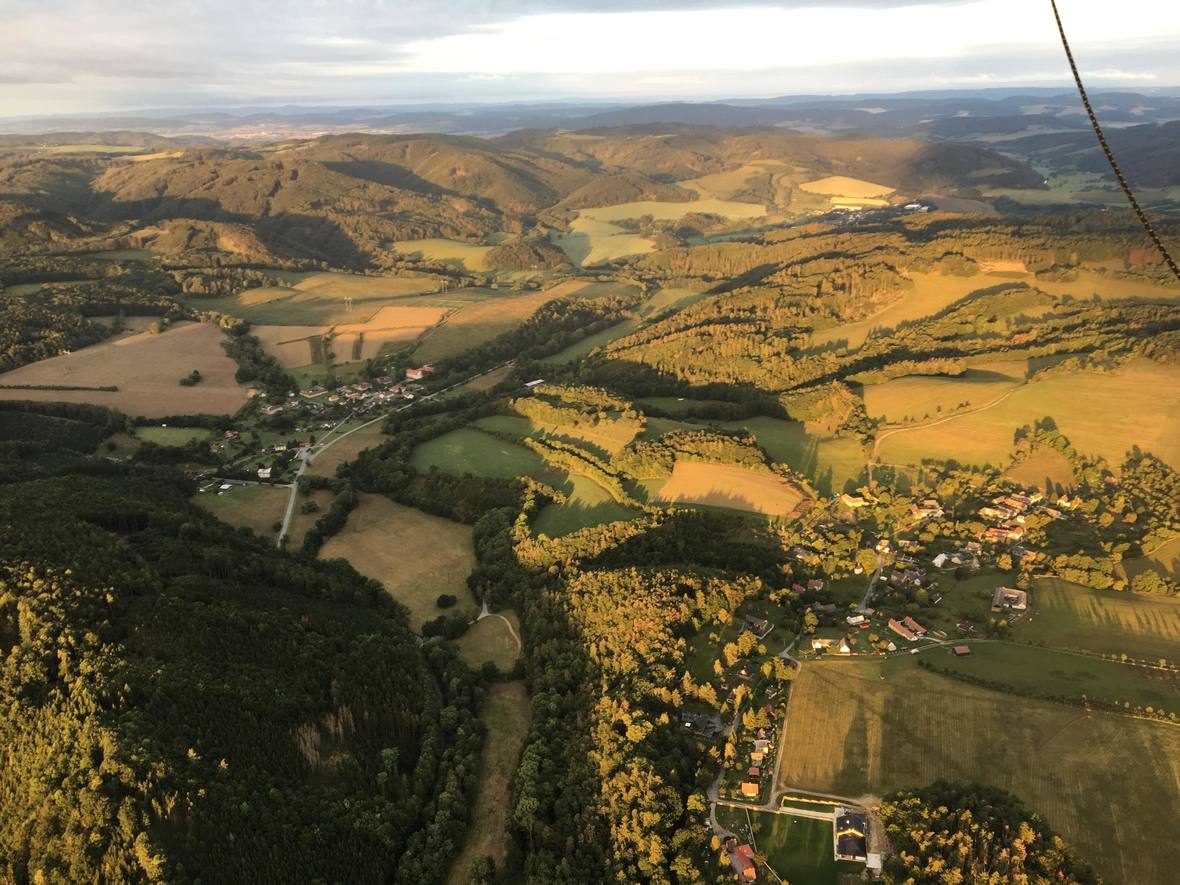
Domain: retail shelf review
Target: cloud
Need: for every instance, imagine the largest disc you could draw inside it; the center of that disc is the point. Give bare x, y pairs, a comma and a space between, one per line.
82, 54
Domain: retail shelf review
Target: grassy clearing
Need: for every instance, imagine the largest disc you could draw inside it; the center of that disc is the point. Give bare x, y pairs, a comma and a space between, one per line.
326, 462
147, 370
253, 507
318, 299
575, 352
1090, 408
587, 504
725, 485
1043, 466
415, 556
799, 849
494, 639
468, 450
1105, 621
828, 462
604, 439
589, 242
454, 252
301, 522
1045, 672
172, 436
506, 715
931, 293
851, 732
488, 380
670, 300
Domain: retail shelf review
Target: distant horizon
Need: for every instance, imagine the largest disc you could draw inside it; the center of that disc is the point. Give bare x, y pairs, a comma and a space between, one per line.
70, 57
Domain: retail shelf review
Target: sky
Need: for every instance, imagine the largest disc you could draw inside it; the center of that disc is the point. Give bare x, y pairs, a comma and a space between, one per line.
70, 56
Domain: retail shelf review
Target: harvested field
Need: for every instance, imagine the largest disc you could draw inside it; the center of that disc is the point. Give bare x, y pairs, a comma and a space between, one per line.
348, 447
851, 733
843, 186
351, 342
467, 255
415, 556
292, 345
675, 210
254, 507
506, 716
147, 370
725, 485
1070, 616
495, 638
319, 298
1091, 408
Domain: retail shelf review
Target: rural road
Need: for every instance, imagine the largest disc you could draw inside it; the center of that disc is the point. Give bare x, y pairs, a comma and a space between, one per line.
308, 453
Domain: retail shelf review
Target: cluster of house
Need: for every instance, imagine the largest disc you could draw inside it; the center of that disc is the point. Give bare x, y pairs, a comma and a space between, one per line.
759, 756
1007, 514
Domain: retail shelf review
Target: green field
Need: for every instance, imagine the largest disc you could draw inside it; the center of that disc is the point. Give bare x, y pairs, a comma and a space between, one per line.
1105, 621
1043, 672
255, 507
172, 436
587, 504
454, 252
468, 450
1109, 784
1164, 559
494, 638
1091, 408
577, 351
799, 849
924, 397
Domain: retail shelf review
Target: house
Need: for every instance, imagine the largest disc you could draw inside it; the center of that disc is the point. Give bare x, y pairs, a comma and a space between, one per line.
840, 645
855, 620
536, 382
815, 584
314, 391
1009, 598
889, 646
754, 771
757, 626
750, 790
761, 745
741, 858
853, 501
417, 374
943, 561
757, 757
849, 833
264, 473
961, 651
913, 626
897, 627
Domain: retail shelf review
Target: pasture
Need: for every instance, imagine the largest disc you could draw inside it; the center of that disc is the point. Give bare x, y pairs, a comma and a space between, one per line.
1091, 408
146, 368
1044, 672
319, 298
924, 397
495, 638
414, 555
726, 485
469, 256
1068, 615
858, 729
162, 435
256, 507
506, 715
468, 450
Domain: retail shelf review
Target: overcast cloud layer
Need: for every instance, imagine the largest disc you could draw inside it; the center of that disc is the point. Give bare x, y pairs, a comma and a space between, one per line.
85, 55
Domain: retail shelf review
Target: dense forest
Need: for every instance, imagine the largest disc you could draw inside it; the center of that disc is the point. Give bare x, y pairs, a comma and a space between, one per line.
186, 704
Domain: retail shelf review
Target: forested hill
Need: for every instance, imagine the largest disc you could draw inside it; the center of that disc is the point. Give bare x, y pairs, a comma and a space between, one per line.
182, 703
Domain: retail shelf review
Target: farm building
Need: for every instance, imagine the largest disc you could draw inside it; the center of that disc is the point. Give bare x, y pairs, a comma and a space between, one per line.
913, 626
897, 627
741, 858
849, 831
961, 651
1009, 598
417, 374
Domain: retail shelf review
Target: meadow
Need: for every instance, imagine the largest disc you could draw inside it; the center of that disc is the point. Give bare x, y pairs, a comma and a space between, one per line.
865, 729
1045, 672
827, 462
146, 368
1090, 408
255, 507
163, 435
506, 715
583, 348
301, 522
346, 449
468, 450
726, 485
414, 555
1108, 622
1164, 558
798, 849
495, 638
924, 397
587, 504
1042, 466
